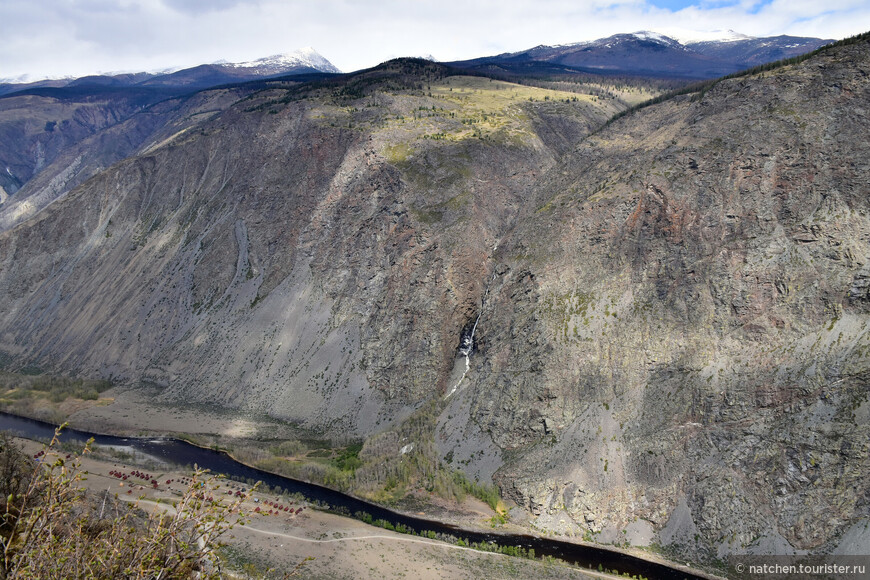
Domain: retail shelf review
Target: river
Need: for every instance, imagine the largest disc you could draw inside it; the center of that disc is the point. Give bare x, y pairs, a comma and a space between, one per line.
182, 453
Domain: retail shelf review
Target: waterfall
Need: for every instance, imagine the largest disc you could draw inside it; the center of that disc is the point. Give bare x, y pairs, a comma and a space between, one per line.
465, 348
466, 345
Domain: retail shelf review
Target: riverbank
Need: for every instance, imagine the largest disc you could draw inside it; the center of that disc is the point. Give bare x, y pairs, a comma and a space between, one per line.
132, 413
144, 419
330, 546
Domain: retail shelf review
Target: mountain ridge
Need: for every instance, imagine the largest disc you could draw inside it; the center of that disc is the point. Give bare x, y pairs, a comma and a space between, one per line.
302, 61
654, 54
671, 334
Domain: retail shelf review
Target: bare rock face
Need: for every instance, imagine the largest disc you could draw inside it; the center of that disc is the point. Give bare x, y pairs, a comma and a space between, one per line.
51, 144
35, 130
303, 254
672, 312
688, 308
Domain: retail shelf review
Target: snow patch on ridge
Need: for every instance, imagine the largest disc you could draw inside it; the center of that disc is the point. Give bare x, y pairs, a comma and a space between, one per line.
28, 78
695, 36
307, 57
656, 36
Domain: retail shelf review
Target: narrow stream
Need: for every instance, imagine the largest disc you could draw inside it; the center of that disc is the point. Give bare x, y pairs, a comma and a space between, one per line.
465, 348
466, 343
181, 453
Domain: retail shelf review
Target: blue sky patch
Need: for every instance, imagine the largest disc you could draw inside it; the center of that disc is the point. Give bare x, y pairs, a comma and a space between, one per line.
674, 5
677, 5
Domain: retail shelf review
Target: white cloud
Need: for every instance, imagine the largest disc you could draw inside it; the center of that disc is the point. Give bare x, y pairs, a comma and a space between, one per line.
76, 37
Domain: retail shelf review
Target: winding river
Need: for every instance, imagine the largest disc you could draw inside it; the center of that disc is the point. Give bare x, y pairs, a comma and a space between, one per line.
181, 453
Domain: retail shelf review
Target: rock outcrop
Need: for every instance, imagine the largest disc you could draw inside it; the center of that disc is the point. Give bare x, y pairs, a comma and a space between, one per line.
310, 253
672, 312
679, 334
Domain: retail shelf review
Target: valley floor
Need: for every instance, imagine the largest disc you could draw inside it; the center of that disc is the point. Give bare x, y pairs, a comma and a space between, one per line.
334, 546
341, 547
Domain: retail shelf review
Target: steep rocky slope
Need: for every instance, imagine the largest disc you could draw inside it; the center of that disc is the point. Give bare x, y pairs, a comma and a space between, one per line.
35, 129
670, 315
675, 344
310, 253
51, 143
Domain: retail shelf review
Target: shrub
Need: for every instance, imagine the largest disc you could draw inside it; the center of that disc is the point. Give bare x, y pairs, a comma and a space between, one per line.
52, 529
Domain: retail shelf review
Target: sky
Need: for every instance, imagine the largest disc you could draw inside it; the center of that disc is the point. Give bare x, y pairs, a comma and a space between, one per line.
59, 38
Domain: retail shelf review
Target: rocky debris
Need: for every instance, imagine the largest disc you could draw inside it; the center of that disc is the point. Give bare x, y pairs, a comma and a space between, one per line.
283, 254
856, 539
697, 277
859, 292
675, 327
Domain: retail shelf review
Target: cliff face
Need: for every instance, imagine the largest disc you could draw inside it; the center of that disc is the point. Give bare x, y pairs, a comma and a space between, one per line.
672, 312
676, 341
51, 144
311, 254
34, 130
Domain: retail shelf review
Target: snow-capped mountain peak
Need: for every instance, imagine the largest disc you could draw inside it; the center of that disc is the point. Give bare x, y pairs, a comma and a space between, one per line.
28, 78
275, 64
655, 36
688, 37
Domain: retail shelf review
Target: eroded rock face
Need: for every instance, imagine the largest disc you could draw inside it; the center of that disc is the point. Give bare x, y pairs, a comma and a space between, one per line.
313, 257
43, 160
672, 315
35, 130
689, 310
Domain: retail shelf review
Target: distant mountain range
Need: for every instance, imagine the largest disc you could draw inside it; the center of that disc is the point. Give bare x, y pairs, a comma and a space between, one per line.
644, 54
648, 332
649, 54
67, 114
304, 61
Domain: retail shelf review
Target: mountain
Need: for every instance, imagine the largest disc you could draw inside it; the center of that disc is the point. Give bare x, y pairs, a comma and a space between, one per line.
649, 54
301, 62
35, 129
648, 331
56, 139
306, 59
747, 52
14, 85
679, 334
296, 165
65, 131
